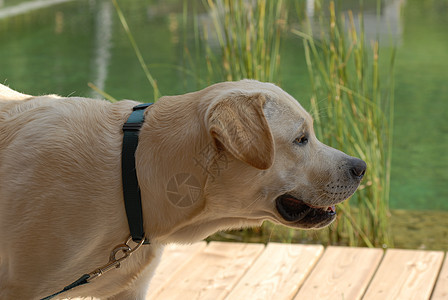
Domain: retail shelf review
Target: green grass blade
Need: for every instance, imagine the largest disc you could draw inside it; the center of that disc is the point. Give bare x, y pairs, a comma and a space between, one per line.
139, 55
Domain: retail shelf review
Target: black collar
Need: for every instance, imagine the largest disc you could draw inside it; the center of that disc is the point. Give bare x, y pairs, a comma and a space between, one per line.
131, 189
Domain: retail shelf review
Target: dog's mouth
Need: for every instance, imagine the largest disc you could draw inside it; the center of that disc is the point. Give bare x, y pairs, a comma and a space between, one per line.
295, 210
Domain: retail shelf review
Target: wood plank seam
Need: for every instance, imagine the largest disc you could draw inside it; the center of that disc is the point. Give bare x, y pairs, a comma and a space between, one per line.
212, 273
374, 273
246, 271
279, 271
156, 284
342, 273
442, 277
405, 274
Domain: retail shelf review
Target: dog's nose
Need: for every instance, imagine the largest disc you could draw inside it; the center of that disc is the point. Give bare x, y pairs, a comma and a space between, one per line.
358, 168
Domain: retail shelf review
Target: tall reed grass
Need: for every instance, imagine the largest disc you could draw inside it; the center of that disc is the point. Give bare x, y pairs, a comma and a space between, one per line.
249, 35
353, 112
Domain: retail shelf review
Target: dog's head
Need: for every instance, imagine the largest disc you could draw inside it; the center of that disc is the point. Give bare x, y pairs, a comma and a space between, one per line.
277, 161
265, 163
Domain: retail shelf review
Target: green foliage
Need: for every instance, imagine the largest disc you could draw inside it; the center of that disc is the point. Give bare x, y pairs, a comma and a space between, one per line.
353, 112
351, 107
248, 35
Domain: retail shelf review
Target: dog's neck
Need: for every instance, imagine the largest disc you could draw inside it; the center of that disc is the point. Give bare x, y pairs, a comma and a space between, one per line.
161, 214
197, 158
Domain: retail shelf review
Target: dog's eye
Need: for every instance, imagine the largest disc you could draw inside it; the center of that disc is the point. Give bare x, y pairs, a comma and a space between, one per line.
302, 140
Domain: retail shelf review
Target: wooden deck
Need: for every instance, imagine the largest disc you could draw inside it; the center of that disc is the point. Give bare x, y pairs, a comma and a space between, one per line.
289, 271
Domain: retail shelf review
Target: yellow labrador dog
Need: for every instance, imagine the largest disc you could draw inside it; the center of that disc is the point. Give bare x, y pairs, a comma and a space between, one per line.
229, 156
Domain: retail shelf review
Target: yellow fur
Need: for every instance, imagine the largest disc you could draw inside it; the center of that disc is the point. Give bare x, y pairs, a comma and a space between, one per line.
61, 205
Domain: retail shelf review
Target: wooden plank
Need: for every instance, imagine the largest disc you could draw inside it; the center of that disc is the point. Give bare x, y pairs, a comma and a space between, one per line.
405, 274
341, 273
212, 273
174, 257
278, 272
441, 289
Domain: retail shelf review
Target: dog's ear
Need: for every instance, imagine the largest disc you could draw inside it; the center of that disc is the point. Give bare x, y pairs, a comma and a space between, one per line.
237, 123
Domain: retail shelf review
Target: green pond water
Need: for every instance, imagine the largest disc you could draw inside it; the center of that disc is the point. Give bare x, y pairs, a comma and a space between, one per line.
58, 46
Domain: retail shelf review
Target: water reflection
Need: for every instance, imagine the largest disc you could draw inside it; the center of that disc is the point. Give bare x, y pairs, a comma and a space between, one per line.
385, 26
25, 7
103, 43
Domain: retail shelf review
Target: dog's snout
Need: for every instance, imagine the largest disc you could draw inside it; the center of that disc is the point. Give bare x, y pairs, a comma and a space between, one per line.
358, 168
